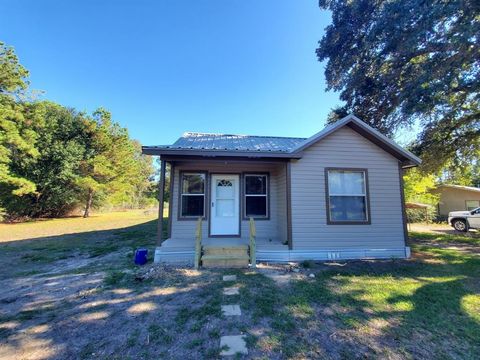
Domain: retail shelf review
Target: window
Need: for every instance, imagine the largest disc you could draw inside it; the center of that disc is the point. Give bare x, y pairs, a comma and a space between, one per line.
472, 204
347, 200
192, 195
256, 196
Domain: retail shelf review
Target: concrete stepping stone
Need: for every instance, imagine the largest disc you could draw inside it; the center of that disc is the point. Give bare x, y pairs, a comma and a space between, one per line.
229, 277
235, 343
231, 310
234, 290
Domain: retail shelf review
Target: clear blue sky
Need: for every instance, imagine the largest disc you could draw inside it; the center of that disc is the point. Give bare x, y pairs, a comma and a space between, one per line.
168, 66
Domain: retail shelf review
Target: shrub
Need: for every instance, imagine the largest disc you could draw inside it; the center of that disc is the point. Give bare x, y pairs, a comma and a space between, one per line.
427, 215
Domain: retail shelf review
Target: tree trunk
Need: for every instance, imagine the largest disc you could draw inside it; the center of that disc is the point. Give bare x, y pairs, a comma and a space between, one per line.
89, 204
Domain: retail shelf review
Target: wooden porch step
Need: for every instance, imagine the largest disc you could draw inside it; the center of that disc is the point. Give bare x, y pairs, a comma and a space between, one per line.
225, 260
226, 250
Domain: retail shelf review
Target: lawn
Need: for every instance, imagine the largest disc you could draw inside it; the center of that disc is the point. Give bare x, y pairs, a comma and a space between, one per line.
74, 225
78, 296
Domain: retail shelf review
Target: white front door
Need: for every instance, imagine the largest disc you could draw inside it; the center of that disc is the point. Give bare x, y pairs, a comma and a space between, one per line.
224, 207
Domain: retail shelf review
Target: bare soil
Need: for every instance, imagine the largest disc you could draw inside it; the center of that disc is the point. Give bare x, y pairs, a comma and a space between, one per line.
79, 296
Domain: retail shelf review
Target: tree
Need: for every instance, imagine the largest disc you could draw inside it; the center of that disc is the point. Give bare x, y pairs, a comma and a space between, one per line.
17, 122
61, 147
111, 169
401, 62
462, 171
417, 187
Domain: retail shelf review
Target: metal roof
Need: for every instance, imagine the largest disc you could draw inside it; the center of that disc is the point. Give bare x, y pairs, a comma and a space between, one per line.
227, 145
229, 142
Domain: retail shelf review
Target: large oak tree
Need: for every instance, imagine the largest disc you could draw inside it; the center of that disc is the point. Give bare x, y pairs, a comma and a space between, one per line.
403, 62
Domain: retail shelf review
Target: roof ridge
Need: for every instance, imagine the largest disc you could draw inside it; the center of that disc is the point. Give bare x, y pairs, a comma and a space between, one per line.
460, 186
243, 135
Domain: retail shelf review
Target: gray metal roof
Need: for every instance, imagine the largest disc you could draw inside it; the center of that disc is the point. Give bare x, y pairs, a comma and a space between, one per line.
212, 145
202, 141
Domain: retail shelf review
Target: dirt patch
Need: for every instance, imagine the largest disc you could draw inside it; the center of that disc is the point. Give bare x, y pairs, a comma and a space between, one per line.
443, 229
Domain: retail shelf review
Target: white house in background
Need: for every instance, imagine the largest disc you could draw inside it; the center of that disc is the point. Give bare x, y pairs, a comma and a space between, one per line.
335, 195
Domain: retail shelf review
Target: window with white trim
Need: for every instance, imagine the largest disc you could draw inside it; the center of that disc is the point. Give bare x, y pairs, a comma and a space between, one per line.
472, 204
256, 196
347, 196
192, 195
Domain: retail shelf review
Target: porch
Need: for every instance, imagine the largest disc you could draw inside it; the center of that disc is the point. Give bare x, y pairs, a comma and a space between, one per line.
182, 251
224, 194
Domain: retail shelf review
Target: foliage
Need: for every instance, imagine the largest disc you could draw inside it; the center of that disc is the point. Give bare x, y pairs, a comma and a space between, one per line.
427, 215
60, 147
81, 160
401, 63
417, 187
115, 168
462, 171
53, 158
17, 119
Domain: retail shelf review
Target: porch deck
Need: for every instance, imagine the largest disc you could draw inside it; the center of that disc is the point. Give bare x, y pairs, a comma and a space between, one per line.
175, 250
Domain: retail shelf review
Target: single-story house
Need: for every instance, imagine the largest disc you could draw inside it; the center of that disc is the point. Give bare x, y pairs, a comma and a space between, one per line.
456, 198
335, 195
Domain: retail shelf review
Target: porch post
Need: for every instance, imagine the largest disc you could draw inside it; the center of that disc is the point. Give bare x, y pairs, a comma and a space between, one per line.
289, 204
161, 195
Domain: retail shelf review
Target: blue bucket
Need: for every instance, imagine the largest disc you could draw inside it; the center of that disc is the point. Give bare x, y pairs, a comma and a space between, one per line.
141, 256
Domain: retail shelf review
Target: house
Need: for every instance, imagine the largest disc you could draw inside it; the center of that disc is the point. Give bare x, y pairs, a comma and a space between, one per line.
335, 195
456, 197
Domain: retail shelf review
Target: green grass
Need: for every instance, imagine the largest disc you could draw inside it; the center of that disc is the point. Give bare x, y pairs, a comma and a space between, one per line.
74, 225
210, 307
425, 307
433, 303
466, 238
26, 251
159, 335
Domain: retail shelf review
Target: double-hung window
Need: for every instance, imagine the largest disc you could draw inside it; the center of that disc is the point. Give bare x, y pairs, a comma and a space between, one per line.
347, 200
256, 196
192, 195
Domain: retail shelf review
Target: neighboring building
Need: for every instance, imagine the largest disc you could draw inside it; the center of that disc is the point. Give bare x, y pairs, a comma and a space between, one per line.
335, 195
456, 198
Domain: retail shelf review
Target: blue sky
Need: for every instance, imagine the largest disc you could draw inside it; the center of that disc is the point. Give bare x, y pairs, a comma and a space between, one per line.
169, 66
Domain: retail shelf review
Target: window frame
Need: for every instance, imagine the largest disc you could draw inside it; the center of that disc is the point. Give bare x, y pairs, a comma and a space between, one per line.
368, 219
244, 195
466, 205
181, 217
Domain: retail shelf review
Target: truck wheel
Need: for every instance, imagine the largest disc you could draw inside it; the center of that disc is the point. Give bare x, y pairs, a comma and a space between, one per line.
460, 225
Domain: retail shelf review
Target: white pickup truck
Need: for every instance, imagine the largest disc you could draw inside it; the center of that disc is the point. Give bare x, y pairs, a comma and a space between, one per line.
464, 220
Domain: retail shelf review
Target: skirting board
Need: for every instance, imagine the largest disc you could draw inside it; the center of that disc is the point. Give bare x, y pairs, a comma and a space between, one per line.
174, 257
334, 254
181, 257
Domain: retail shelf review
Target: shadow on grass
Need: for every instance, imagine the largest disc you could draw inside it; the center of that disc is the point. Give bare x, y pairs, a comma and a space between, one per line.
419, 309
19, 256
124, 318
99, 307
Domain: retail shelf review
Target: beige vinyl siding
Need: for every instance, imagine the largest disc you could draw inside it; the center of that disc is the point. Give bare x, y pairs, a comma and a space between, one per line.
452, 199
345, 148
185, 229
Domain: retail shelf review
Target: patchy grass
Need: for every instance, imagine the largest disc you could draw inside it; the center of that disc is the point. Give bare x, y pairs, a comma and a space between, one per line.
74, 225
159, 334
471, 238
427, 307
75, 295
